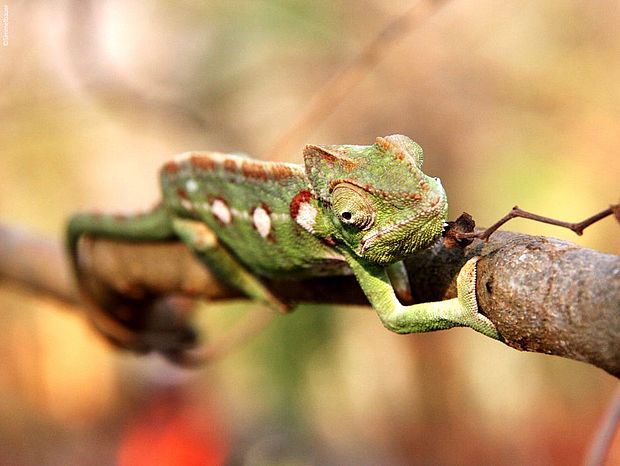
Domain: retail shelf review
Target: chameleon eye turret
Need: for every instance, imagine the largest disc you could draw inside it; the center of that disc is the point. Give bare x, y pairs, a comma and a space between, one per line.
352, 206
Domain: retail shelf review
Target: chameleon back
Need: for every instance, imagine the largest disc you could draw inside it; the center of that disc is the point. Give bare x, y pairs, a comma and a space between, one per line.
250, 206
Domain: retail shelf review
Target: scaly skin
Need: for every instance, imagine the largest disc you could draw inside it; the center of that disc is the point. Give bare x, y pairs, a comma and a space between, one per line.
350, 209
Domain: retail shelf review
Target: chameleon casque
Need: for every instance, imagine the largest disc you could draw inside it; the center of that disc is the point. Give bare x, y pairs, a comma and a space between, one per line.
349, 209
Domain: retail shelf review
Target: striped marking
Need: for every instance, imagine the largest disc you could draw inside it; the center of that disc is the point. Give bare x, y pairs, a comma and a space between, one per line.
247, 168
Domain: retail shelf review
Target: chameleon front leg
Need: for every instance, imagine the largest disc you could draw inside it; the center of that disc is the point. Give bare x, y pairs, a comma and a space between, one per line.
204, 244
461, 311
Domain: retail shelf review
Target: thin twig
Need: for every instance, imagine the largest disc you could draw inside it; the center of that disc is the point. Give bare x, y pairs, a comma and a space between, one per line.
333, 92
577, 227
605, 434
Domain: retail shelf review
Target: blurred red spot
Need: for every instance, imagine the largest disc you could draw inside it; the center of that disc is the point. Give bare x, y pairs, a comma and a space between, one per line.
169, 432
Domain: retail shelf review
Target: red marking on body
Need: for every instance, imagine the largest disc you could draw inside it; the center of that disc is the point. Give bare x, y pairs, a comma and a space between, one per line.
254, 170
374, 190
171, 167
383, 144
230, 165
300, 198
396, 149
182, 193
281, 171
329, 241
266, 208
332, 155
336, 182
202, 163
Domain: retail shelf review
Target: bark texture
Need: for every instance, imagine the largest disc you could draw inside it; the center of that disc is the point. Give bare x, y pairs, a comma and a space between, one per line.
544, 295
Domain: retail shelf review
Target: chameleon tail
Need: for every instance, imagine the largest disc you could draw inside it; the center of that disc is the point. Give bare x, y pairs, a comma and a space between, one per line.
152, 226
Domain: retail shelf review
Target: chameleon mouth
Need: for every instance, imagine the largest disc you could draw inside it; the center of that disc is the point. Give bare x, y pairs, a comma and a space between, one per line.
423, 219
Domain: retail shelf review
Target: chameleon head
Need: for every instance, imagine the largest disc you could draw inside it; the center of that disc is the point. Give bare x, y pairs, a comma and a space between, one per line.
377, 198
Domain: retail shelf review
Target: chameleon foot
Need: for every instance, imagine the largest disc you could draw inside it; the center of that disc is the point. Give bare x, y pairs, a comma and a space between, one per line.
471, 317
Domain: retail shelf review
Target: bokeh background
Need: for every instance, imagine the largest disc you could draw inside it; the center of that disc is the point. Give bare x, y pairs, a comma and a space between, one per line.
514, 102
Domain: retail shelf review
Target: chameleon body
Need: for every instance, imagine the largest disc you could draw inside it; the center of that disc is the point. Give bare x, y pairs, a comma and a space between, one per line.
348, 209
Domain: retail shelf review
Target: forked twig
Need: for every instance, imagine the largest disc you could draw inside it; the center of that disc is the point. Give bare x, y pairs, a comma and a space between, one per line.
577, 227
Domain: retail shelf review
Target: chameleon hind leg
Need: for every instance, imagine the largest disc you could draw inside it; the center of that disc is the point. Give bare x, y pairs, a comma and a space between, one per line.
204, 244
206, 247
461, 311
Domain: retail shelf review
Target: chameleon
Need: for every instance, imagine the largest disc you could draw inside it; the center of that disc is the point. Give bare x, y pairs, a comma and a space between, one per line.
349, 209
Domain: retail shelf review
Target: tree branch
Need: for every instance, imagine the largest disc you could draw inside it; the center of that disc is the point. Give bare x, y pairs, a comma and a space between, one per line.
544, 295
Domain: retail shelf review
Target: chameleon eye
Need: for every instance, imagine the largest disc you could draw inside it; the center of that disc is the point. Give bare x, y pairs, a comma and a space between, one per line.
352, 206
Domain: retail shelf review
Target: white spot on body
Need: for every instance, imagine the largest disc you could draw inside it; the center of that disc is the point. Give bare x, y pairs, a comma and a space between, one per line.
306, 216
191, 185
262, 221
221, 211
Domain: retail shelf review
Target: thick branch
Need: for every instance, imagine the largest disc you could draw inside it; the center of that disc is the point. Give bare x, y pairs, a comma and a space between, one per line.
544, 295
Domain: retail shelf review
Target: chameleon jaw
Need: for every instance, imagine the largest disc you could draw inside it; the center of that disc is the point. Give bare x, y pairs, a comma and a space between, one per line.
372, 237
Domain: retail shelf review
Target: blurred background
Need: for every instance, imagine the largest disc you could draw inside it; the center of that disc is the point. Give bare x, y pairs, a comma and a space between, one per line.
514, 102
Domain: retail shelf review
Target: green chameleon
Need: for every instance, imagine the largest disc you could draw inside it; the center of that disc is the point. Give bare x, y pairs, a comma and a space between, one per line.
349, 209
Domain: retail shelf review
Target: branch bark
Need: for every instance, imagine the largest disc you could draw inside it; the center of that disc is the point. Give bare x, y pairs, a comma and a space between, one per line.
544, 295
